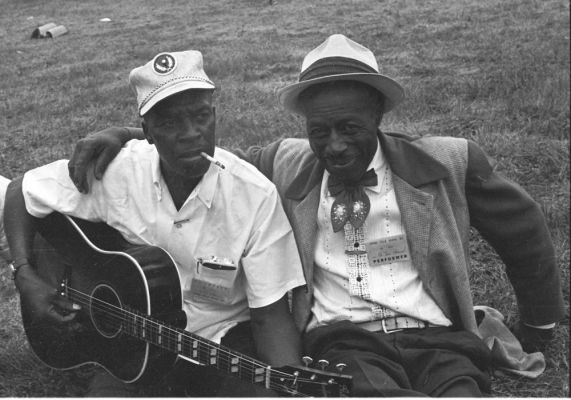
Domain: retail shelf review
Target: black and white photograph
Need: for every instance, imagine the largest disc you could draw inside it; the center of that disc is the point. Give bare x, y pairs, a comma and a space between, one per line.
284, 198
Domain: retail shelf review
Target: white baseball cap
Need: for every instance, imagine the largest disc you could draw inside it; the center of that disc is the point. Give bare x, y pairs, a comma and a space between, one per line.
168, 74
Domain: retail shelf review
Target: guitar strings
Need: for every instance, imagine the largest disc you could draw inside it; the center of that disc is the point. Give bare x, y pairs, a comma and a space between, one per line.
117, 314
114, 314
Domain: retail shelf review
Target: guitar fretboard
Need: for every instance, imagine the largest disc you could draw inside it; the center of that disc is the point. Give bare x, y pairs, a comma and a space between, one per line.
194, 347
181, 342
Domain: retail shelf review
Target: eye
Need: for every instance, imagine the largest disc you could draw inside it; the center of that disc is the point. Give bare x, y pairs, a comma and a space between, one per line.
317, 132
351, 127
203, 117
166, 123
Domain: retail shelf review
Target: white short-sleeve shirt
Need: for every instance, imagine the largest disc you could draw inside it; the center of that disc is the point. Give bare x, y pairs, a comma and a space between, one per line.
234, 213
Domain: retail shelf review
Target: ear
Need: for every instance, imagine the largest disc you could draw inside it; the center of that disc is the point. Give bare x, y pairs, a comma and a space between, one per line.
214, 117
146, 132
311, 145
379, 118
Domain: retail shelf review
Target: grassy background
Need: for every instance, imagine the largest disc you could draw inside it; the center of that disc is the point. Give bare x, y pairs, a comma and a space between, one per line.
495, 71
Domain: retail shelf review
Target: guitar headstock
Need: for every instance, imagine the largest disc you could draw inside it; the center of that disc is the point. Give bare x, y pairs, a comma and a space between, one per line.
304, 381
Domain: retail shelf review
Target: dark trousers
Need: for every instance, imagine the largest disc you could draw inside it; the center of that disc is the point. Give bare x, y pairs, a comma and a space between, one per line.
414, 362
188, 379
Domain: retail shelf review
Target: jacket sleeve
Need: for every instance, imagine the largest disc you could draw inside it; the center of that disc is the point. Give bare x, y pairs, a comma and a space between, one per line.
514, 225
261, 157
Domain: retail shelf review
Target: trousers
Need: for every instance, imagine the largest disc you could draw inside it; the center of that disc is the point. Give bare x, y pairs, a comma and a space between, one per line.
435, 361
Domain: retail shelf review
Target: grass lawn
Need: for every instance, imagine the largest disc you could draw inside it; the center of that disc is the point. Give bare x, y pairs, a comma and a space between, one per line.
495, 71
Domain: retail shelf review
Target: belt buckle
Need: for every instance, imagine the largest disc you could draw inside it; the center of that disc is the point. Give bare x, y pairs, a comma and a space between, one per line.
388, 331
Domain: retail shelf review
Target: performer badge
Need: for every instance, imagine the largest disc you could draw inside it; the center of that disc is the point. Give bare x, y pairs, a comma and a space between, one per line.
211, 292
388, 250
214, 280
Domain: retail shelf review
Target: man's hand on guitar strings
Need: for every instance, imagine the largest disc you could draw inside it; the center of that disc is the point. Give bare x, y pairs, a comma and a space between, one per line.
45, 302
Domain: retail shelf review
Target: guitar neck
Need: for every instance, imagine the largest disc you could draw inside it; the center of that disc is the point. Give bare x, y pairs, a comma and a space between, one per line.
194, 347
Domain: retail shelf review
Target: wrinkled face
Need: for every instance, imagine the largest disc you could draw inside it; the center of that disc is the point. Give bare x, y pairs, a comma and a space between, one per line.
181, 127
341, 122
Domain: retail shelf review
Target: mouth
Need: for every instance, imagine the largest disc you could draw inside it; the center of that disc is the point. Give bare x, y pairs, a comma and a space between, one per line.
191, 156
340, 162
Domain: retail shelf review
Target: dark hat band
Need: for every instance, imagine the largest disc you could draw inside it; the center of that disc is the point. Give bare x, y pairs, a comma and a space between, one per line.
335, 66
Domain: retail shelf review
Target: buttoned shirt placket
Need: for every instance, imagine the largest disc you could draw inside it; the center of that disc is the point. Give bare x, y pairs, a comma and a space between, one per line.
357, 259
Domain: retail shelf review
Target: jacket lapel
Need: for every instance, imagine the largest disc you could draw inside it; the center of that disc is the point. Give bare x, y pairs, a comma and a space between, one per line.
416, 208
415, 177
303, 196
305, 225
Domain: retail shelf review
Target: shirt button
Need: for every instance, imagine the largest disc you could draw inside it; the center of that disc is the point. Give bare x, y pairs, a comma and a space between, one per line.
356, 244
359, 279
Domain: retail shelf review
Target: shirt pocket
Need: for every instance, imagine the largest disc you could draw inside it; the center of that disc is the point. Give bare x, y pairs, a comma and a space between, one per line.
221, 286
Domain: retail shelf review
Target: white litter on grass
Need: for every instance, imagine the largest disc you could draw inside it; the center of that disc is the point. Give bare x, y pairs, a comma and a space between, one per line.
50, 30
105, 20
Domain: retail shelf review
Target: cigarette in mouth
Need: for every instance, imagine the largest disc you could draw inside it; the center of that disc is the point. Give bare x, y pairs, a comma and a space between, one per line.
212, 160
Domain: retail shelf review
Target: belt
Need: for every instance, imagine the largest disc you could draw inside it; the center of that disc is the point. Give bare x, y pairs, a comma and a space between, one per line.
394, 324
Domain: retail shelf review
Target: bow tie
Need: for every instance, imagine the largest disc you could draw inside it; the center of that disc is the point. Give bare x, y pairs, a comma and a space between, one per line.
351, 202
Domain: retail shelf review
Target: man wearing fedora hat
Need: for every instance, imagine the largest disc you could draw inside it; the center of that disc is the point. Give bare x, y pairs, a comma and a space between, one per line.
382, 224
178, 191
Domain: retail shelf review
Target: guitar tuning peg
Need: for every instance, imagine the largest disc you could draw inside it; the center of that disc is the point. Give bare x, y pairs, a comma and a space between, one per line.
340, 367
323, 364
307, 360
296, 375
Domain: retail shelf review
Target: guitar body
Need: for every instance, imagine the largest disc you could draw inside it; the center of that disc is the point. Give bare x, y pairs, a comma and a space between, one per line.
95, 260
131, 321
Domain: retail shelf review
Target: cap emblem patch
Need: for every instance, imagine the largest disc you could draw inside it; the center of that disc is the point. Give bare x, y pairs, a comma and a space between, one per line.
164, 63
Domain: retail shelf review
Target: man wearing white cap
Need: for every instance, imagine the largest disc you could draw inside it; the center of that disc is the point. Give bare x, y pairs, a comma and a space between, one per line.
178, 191
382, 225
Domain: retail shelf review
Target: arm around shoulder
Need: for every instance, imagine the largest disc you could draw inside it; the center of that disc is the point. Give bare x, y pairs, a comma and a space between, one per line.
99, 149
261, 157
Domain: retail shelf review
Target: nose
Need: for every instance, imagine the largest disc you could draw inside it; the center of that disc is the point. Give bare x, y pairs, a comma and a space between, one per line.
190, 132
337, 143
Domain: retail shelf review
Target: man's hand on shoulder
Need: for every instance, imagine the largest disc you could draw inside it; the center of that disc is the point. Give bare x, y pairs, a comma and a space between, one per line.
533, 339
99, 149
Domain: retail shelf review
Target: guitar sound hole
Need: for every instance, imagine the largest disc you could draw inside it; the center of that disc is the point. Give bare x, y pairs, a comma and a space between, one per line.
106, 312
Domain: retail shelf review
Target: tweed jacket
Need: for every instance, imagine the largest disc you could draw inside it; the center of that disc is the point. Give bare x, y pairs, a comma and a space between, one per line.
443, 185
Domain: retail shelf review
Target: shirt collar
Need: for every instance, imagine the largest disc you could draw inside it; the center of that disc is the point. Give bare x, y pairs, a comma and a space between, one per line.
205, 189
377, 164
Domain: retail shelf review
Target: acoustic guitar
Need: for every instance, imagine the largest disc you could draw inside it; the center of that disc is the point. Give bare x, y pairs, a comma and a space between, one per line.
131, 321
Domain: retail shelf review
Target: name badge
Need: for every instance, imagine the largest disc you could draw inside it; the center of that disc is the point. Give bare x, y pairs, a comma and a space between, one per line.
206, 291
388, 250
214, 280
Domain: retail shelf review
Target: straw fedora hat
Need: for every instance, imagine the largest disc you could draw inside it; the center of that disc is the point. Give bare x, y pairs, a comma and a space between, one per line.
340, 58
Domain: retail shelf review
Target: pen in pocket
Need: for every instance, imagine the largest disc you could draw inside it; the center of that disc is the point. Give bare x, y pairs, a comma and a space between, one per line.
221, 264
